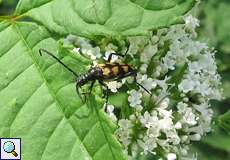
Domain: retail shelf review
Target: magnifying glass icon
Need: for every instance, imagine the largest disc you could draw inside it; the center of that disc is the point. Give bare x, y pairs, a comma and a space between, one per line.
9, 147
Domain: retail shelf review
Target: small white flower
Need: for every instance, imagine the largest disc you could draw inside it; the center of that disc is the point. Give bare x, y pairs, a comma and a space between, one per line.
169, 62
114, 85
173, 137
187, 114
164, 112
132, 118
194, 48
192, 22
136, 43
194, 67
109, 110
143, 68
113, 58
148, 52
153, 131
166, 123
163, 83
189, 117
82, 42
148, 144
183, 151
146, 82
148, 120
70, 39
97, 52
208, 64
163, 143
164, 103
76, 50
204, 109
158, 71
197, 129
178, 125
184, 138
88, 49
154, 39
134, 98
203, 88
171, 156
125, 131
195, 137
186, 85
138, 108
125, 124
164, 93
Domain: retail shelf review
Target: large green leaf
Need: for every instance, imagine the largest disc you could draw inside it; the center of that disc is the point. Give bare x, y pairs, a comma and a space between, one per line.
217, 135
224, 121
223, 141
215, 29
90, 18
38, 102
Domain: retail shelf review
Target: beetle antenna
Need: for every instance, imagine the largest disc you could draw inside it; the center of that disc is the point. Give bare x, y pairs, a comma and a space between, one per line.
57, 59
135, 80
144, 88
158, 102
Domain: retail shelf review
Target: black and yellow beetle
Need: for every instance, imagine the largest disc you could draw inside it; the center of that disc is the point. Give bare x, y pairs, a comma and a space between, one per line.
102, 72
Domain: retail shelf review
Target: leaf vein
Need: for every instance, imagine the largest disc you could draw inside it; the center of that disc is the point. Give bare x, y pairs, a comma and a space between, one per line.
45, 81
102, 146
10, 48
16, 76
104, 132
50, 137
25, 103
40, 116
91, 128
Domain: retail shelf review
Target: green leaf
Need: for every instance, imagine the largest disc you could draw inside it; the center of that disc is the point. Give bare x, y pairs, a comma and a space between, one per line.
223, 141
220, 136
224, 121
226, 83
214, 146
90, 18
39, 104
206, 152
215, 27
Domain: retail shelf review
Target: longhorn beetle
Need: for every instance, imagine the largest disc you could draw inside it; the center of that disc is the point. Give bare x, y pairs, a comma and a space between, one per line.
102, 72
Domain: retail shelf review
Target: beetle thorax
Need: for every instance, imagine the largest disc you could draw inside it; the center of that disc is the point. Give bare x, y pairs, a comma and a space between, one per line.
91, 75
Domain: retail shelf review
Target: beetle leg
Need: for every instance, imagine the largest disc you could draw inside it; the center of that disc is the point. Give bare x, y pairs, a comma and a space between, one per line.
134, 74
85, 93
79, 94
135, 80
106, 93
91, 87
84, 100
118, 54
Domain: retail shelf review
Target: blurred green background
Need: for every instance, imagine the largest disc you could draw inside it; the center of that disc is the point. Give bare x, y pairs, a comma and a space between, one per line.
215, 29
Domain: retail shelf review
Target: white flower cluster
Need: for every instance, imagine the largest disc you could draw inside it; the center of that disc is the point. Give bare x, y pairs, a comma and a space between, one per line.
167, 126
182, 76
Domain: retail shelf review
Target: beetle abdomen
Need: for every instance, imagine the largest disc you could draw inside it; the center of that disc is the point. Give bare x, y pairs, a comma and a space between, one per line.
115, 70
